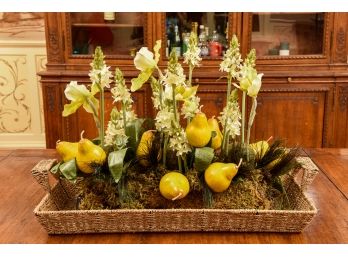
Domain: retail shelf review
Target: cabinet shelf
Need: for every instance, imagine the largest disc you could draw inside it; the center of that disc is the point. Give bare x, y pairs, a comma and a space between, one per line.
105, 25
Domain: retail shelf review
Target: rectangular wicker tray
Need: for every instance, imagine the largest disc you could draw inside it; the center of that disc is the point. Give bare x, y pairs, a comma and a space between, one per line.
56, 212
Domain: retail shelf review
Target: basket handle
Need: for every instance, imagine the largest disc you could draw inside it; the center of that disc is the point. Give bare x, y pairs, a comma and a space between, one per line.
40, 173
309, 172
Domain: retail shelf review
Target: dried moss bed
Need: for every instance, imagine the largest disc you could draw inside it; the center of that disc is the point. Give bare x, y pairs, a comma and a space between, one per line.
140, 190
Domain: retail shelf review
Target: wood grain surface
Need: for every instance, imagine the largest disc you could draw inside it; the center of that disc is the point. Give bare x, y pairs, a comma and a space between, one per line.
20, 194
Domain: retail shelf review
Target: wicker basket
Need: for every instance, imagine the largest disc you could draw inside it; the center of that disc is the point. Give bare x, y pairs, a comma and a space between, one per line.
58, 215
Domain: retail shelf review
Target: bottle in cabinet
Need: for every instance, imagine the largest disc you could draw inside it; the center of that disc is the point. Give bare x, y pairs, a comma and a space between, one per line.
215, 46
109, 17
202, 44
176, 44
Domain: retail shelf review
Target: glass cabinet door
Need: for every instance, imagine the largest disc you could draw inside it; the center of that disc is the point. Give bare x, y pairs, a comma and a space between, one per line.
119, 34
287, 34
211, 28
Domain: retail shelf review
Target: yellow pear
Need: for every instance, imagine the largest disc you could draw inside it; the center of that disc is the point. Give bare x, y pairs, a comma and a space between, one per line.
261, 147
198, 132
174, 186
89, 156
218, 175
145, 146
66, 150
217, 139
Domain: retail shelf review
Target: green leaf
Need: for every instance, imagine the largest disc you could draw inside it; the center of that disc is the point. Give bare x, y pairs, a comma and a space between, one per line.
55, 170
207, 195
156, 49
203, 158
115, 162
69, 170
138, 82
133, 132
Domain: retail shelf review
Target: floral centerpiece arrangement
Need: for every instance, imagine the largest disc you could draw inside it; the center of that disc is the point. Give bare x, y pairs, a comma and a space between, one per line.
181, 158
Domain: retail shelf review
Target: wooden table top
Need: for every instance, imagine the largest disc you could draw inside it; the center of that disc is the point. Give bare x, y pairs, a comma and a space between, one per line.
20, 194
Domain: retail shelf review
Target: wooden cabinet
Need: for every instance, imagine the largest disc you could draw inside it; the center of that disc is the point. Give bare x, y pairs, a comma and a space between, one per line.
304, 92
341, 122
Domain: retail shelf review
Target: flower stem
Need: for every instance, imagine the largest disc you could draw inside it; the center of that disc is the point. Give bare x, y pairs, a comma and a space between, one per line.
176, 120
251, 118
174, 104
224, 132
243, 116
124, 116
160, 87
95, 115
179, 164
226, 143
190, 75
102, 121
185, 163
165, 145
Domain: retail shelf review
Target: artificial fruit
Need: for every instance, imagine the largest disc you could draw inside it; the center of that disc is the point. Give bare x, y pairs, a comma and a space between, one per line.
174, 186
89, 156
66, 150
218, 175
144, 147
261, 147
198, 132
217, 138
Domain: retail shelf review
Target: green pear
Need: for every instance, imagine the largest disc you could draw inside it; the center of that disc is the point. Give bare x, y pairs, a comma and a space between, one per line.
89, 156
198, 132
66, 150
218, 175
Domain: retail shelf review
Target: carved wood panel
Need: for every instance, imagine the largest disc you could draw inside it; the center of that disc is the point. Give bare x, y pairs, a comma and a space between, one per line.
295, 116
54, 41
52, 111
342, 116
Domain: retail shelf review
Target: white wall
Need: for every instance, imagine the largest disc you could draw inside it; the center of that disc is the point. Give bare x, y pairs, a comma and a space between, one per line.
22, 55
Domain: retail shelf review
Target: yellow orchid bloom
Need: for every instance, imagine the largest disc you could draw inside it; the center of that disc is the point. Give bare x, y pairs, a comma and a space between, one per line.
79, 96
146, 62
254, 89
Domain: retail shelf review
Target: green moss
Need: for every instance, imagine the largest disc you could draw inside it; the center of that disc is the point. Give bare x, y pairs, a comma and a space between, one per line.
253, 191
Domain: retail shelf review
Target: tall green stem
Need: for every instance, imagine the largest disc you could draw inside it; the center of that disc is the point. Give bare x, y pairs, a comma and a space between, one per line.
176, 120
165, 145
251, 119
174, 104
185, 163
224, 132
160, 87
124, 116
190, 75
102, 121
95, 115
179, 164
243, 116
